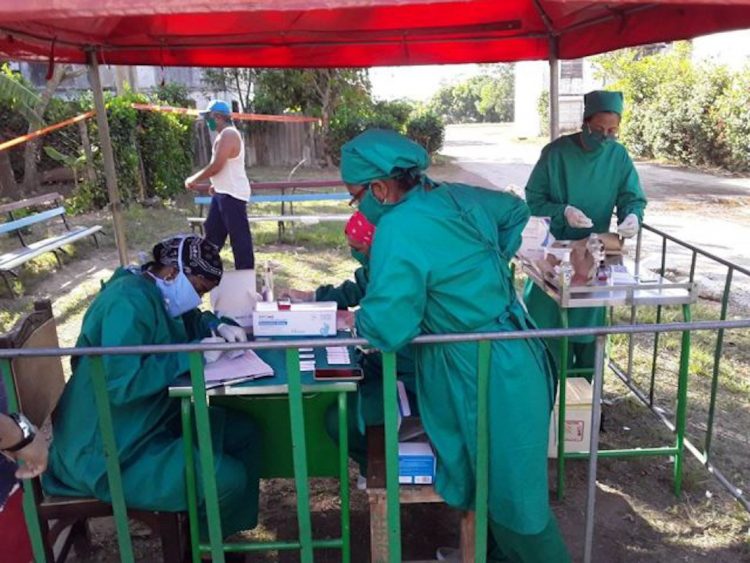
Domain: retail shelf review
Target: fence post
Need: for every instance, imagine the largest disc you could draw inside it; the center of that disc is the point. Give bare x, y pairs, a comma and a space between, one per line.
482, 479
119, 508
596, 411
392, 492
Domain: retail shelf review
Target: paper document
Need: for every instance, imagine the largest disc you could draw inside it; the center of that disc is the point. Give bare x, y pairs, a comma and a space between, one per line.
246, 367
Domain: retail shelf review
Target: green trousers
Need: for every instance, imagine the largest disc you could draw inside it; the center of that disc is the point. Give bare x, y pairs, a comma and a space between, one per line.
581, 356
506, 546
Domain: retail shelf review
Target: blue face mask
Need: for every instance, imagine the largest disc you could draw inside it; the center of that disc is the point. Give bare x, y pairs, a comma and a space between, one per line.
211, 123
179, 294
593, 140
371, 208
361, 257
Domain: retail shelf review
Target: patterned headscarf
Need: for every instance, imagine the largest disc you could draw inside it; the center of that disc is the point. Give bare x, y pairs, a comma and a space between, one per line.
199, 257
359, 229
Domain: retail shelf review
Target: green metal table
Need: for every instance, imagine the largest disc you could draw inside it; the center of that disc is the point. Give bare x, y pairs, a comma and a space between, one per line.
289, 407
648, 290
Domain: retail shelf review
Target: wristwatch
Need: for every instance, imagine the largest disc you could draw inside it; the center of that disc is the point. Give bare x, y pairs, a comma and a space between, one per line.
27, 429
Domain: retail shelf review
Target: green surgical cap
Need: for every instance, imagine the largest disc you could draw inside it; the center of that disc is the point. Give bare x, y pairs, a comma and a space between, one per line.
379, 153
602, 100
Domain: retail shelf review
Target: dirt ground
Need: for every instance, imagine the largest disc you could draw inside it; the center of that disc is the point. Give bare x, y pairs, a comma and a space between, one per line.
638, 517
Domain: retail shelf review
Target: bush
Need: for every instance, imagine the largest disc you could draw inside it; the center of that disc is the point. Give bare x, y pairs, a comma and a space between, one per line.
709, 126
348, 122
542, 107
427, 129
152, 151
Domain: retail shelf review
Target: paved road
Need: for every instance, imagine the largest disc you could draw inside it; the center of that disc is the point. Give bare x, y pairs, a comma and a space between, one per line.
709, 211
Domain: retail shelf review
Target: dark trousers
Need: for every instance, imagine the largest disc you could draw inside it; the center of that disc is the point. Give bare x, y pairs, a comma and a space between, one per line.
228, 216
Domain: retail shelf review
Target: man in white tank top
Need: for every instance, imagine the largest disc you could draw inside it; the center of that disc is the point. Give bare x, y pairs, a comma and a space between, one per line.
230, 188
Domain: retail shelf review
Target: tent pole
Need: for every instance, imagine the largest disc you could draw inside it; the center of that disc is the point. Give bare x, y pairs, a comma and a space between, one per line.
554, 89
109, 160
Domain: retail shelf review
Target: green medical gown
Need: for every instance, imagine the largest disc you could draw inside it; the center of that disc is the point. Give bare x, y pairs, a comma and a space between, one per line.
596, 182
130, 311
365, 407
439, 264
347, 294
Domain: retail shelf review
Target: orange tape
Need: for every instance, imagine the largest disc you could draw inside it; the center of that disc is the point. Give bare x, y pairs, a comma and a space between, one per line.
40, 132
238, 116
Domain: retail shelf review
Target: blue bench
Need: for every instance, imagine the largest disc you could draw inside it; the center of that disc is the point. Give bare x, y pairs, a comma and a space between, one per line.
18, 227
202, 202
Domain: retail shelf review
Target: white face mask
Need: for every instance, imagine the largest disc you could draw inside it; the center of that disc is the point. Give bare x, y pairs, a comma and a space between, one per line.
179, 294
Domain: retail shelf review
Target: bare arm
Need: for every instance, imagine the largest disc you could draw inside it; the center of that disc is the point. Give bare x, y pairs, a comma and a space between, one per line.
33, 456
227, 146
10, 433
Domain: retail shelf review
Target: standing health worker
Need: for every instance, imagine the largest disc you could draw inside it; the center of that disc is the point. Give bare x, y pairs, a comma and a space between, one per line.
439, 264
578, 182
230, 188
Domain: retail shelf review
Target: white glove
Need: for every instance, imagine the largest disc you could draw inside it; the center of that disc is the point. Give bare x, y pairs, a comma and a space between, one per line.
577, 218
629, 226
212, 355
232, 333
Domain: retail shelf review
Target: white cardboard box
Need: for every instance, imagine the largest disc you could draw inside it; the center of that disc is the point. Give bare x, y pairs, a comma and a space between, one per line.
301, 319
578, 397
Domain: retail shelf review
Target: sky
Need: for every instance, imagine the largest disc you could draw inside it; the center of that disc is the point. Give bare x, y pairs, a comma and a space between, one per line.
416, 82
421, 82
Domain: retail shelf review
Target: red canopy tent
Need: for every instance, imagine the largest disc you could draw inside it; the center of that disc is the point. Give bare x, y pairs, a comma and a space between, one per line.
341, 33
348, 33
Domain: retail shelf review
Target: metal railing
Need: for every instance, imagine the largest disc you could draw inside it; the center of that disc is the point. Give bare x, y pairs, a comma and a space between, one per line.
667, 241
306, 544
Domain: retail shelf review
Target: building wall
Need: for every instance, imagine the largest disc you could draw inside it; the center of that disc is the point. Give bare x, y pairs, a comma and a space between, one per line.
532, 78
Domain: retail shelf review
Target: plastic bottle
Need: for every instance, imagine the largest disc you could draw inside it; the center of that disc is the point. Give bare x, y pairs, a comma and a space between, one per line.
267, 290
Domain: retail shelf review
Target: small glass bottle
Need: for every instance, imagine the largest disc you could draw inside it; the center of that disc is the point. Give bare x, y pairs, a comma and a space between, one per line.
566, 271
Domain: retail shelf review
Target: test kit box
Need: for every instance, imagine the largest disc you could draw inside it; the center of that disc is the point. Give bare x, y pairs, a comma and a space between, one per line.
578, 398
298, 319
416, 463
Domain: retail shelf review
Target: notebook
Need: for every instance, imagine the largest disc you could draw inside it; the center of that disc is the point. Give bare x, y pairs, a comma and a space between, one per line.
227, 370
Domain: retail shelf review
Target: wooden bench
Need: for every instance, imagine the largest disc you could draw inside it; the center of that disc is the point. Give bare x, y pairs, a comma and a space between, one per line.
18, 227
408, 494
203, 201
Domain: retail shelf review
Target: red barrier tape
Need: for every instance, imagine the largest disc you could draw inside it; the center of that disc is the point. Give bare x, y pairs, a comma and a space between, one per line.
40, 132
238, 116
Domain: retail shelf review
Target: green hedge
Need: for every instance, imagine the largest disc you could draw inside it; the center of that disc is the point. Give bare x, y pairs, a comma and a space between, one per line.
159, 142
676, 110
421, 125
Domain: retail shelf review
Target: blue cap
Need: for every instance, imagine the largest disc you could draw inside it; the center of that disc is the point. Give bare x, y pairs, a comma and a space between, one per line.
217, 106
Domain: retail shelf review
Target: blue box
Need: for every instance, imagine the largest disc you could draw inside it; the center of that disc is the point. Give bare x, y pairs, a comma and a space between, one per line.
416, 463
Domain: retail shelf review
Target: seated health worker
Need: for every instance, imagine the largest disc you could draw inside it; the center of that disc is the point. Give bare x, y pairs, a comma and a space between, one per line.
578, 182
154, 304
439, 264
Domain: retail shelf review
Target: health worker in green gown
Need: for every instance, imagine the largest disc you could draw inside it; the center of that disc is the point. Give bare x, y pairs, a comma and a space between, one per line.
139, 306
365, 407
579, 181
439, 264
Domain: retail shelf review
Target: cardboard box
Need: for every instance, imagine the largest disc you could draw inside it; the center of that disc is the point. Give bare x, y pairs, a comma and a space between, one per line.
416, 463
578, 398
301, 319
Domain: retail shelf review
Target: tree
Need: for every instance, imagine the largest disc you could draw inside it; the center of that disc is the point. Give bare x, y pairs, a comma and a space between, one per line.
487, 97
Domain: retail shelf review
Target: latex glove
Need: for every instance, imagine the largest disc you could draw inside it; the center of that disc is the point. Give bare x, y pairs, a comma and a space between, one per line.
629, 226
577, 218
232, 333
33, 456
212, 355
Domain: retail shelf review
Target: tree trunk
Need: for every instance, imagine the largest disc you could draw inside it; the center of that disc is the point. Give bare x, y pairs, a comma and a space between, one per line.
8, 185
86, 143
31, 148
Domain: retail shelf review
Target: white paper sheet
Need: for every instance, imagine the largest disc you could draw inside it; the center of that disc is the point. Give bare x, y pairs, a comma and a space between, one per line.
246, 367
